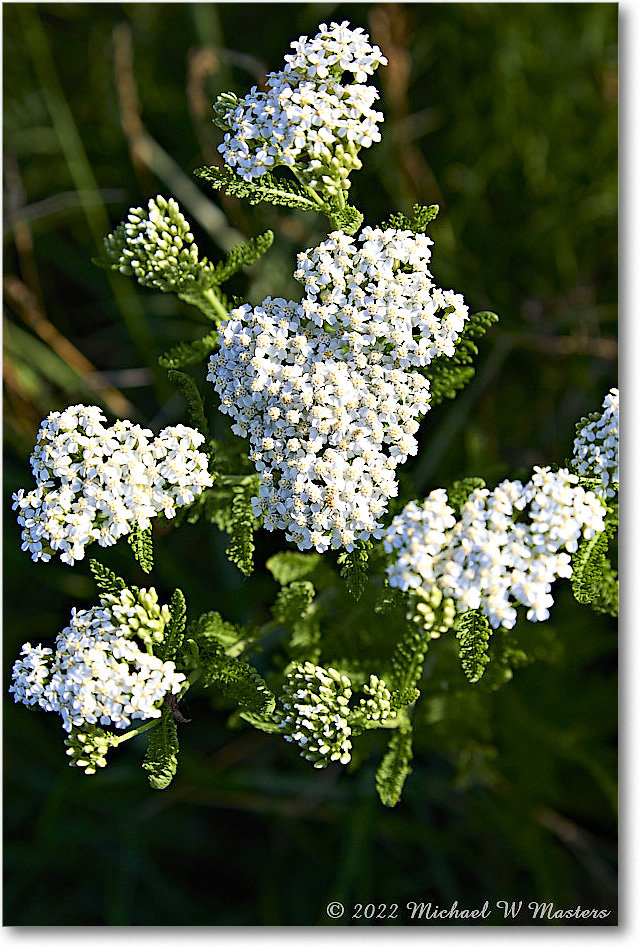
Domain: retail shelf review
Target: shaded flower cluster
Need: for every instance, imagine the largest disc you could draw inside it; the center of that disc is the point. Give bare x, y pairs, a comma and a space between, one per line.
507, 547
95, 482
314, 117
97, 674
596, 448
329, 390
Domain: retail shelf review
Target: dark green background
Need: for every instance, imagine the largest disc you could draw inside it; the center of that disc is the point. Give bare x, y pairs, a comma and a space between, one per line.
505, 115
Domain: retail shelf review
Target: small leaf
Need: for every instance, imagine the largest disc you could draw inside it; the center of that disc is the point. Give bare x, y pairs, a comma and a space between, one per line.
141, 544
185, 353
174, 631
395, 766
106, 581
161, 758
288, 566
473, 632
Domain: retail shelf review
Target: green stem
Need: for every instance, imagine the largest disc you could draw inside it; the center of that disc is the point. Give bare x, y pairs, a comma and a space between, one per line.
137, 732
207, 302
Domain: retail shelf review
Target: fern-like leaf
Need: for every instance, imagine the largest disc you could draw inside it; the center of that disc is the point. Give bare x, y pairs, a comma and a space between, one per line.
418, 220
175, 629
193, 352
395, 766
161, 758
142, 545
354, 568
240, 527
408, 661
267, 188
594, 582
106, 581
347, 219
243, 255
448, 374
473, 632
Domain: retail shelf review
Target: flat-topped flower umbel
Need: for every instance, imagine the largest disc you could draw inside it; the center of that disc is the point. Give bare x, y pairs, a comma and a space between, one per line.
329, 389
96, 482
315, 115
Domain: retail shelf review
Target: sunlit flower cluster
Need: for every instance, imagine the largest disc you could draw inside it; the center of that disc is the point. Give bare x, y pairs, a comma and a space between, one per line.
328, 389
507, 547
157, 247
97, 674
596, 447
315, 713
314, 117
95, 482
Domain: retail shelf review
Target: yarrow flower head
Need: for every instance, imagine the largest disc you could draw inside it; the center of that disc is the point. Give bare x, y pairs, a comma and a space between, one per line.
157, 248
98, 675
314, 713
596, 447
95, 482
507, 547
329, 389
314, 117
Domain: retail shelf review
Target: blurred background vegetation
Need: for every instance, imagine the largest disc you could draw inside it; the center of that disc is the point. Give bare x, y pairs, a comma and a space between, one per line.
506, 116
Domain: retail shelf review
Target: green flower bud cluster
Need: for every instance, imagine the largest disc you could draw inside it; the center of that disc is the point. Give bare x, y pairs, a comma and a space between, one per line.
376, 706
314, 713
88, 748
138, 614
432, 610
157, 248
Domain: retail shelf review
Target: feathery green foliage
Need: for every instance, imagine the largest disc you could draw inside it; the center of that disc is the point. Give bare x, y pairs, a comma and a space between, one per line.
395, 766
347, 219
407, 664
448, 374
270, 189
175, 629
473, 632
140, 541
161, 757
294, 610
241, 527
209, 646
354, 567
193, 352
594, 582
418, 220
107, 581
244, 254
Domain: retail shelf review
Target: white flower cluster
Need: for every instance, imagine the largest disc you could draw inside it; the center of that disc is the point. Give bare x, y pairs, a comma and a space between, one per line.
95, 482
315, 710
97, 673
328, 390
596, 447
157, 247
509, 545
376, 704
312, 118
